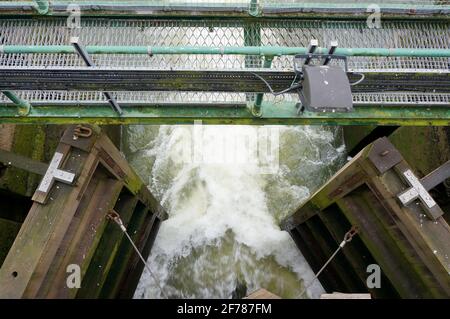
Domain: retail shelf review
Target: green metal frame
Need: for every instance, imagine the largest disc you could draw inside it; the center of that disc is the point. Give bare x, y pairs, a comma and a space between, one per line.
252, 8
272, 113
23, 106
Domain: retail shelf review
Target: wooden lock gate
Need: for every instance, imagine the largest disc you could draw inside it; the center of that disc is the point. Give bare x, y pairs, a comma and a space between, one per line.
67, 227
401, 229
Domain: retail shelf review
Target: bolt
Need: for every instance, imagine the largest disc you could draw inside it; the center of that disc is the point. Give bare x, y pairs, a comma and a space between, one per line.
384, 153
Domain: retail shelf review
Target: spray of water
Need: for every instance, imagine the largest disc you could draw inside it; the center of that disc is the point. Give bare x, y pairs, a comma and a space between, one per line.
224, 209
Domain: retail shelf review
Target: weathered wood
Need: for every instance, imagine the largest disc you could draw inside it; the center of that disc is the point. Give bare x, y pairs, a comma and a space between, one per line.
356, 253
385, 250
344, 274
72, 228
87, 228
29, 141
6, 136
23, 162
411, 250
135, 267
315, 257
41, 231
121, 266
107, 248
262, 294
8, 232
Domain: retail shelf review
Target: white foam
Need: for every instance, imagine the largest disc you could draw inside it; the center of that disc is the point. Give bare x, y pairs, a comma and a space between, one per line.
222, 217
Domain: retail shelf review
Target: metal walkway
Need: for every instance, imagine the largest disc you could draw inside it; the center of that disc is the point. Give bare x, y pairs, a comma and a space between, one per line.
393, 81
84, 79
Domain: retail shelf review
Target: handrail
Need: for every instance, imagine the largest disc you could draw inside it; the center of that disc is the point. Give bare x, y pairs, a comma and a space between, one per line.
231, 50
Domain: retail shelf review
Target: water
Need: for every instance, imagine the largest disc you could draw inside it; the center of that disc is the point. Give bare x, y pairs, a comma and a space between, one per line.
224, 208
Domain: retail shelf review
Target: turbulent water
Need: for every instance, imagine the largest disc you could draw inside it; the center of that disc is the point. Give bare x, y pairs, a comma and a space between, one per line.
225, 193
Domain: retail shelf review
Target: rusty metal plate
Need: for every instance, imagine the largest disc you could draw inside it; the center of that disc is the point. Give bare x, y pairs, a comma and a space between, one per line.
384, 155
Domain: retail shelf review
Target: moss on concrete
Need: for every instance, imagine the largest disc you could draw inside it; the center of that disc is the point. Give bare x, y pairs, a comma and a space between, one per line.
424, 148
355, 134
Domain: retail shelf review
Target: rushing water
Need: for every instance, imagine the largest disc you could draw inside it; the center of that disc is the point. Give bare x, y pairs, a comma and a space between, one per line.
224, 208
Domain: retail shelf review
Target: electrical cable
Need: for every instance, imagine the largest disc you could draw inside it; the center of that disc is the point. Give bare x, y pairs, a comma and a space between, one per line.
291, 88
360, 80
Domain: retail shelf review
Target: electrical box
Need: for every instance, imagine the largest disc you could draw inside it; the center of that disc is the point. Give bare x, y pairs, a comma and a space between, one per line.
326, 89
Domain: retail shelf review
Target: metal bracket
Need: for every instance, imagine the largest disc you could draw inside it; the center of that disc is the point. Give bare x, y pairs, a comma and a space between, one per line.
54, 173
383, 155
82, 131
82, 137
310, 55
420, 189
89, 62
23, 107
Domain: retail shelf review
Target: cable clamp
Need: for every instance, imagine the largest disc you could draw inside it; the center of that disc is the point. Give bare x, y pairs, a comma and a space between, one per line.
115, 217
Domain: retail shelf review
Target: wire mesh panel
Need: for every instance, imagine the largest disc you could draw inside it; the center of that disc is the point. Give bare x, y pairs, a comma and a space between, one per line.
123, 32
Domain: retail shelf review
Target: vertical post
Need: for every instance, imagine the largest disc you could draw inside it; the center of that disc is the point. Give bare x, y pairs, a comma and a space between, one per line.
42, 6
331, 50
256, 109
252, 38
23, 106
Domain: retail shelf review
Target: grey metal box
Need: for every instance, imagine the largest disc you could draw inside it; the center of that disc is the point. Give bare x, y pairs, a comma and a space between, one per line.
326, 88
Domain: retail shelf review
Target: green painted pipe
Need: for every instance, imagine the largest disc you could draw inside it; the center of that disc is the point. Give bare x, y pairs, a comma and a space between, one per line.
263, 50
24, 106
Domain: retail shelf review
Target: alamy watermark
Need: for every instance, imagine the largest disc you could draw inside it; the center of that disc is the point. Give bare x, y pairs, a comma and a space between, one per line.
74, 278
244, 145
374, 279
374, 19
74, 18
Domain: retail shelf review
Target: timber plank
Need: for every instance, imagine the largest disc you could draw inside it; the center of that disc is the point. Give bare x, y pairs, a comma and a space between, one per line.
339, 266
108, 248
382, 246
315, 257
37, 234
120, 267
426, 239
135, 266
355, 251
87, 236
